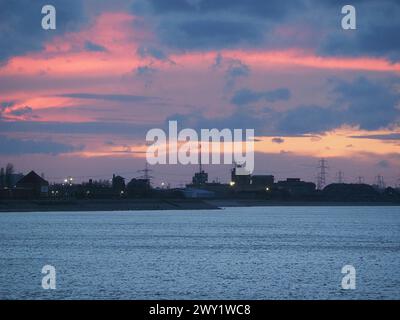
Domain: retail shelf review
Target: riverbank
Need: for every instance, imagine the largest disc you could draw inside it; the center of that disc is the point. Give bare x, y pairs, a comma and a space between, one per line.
103, 205
159, 204
271, 203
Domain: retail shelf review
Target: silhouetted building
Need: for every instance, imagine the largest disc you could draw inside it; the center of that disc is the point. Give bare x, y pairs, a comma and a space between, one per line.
199, 182
200, 178
15, 177
239, 180
100, 189
262, 181
32, 185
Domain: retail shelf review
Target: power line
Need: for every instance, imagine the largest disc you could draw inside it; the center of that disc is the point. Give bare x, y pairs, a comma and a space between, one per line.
146, 173
340, 177
380, 182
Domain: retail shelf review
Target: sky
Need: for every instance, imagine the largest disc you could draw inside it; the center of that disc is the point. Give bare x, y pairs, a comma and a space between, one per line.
78, 101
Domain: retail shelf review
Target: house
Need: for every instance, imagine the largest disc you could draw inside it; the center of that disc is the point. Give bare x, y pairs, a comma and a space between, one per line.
200, 178
32, 185
240, 180
262, 181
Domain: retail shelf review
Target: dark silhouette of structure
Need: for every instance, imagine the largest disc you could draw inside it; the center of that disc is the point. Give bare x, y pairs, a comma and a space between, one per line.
247, 186
32, 185
239, 181
262, 181
146, 173
321, 180
200, 178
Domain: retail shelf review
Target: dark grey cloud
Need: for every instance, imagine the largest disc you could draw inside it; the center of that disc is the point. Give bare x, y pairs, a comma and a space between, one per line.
378, 27
211, 24
235, 70
247, 96
306, 119
278, 140
217, 24
6, 104
389, 136
371, 104
146, 74
145, 71
210, 34
383, 164
206, 24
273, 9
152, 52
20, 24
12, 146
95, 127
5, 107
368, 104
21, 111
91, 46
109, 97
236, 120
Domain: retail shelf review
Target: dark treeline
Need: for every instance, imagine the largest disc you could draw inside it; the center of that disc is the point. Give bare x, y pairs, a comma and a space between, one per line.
6, 176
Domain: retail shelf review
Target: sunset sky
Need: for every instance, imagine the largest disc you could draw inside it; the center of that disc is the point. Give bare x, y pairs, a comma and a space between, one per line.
78, 101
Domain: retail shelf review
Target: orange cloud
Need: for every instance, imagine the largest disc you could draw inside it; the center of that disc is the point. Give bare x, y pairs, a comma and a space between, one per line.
336, 143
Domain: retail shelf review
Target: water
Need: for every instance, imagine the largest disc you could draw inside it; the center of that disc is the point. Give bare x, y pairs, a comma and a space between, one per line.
235, 253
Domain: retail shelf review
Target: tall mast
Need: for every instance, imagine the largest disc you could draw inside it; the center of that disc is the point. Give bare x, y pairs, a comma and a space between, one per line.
200, 164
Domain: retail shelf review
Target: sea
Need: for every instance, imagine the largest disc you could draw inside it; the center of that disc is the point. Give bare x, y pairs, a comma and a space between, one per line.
233, 253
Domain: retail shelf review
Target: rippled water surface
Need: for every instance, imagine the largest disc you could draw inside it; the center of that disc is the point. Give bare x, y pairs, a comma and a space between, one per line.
235, 253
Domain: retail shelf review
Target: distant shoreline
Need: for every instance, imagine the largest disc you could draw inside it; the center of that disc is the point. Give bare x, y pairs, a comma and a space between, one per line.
162, 204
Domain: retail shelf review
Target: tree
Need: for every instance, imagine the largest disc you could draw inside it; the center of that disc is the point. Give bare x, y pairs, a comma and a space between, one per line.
9, 174
2, 178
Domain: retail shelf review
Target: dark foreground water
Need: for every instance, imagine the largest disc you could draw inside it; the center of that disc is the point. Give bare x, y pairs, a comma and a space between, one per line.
235, 253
